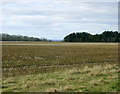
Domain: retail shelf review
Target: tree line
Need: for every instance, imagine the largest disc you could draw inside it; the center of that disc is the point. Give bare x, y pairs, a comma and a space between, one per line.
106, 36
7, 37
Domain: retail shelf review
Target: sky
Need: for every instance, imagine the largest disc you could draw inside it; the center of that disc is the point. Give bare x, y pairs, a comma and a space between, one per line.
55, 19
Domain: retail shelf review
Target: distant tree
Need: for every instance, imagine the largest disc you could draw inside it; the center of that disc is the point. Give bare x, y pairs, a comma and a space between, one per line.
70, 38
7, 37
106, 36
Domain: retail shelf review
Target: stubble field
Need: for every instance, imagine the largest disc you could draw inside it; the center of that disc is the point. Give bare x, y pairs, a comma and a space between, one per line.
59, 67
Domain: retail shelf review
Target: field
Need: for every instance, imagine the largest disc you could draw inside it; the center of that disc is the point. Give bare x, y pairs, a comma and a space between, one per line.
59, 67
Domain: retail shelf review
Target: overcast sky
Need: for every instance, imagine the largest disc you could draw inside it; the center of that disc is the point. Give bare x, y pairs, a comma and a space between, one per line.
55, 19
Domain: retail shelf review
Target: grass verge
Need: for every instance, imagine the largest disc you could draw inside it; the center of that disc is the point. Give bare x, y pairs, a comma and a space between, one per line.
98, 78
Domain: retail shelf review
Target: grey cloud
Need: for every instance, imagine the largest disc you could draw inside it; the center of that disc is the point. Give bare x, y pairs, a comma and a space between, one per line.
58, 17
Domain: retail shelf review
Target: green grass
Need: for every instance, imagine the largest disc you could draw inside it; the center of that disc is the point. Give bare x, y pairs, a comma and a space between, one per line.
67, 80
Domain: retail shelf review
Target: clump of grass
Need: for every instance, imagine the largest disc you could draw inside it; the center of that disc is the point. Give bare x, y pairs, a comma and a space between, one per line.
49, 82
70, 78
73, 71
115, 65
104, 72
113, 77
69, 87
80, 91
100, 80
113, 71
86, 69
52, 90
95, 71
29, 84
94, 82
108, 66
